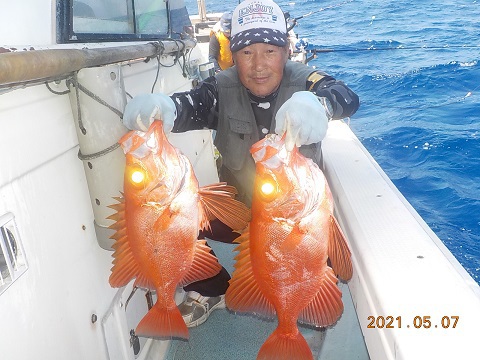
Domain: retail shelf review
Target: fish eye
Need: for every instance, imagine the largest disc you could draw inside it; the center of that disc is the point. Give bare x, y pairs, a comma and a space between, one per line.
136, 176
268, 188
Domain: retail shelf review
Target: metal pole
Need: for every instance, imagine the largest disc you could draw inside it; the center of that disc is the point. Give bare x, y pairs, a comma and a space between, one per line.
32, 65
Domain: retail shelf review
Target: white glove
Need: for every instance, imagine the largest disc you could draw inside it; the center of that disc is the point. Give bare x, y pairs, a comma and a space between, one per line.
303, 118
142, 110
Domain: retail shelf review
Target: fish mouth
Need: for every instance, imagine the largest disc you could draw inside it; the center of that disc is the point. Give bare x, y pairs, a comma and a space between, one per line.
267, 147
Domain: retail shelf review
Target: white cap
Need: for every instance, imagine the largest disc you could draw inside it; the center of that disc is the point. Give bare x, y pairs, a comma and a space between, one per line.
257, 21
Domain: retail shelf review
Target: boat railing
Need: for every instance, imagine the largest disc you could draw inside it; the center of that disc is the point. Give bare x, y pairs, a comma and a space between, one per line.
19, 68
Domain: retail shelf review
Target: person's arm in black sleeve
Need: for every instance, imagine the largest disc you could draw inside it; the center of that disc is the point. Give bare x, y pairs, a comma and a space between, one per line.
198, 108
343, 100
214, 51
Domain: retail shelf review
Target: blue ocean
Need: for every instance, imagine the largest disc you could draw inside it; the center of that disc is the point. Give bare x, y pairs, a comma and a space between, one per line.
414, 65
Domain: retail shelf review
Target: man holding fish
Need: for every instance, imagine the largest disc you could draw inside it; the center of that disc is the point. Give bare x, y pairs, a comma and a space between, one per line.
262, 93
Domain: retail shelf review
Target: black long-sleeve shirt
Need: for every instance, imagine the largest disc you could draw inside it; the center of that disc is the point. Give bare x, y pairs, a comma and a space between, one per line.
198, 108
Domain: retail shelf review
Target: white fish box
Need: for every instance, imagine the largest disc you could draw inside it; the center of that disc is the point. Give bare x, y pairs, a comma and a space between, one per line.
197, 145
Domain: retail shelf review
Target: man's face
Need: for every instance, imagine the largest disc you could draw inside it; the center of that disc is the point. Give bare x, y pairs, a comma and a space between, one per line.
260, 67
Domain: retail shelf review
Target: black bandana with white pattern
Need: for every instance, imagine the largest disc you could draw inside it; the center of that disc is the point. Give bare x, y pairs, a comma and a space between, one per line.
255, 36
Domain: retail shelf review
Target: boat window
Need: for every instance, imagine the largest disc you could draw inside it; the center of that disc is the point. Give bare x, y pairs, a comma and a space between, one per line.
12, 259
111, 20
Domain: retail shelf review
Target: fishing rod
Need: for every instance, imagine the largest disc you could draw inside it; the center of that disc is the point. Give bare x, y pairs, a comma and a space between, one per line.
295, 20
313, 52
445, 47
323, 9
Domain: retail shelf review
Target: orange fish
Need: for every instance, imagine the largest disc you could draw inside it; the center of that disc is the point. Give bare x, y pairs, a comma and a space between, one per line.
281, 267
157, 224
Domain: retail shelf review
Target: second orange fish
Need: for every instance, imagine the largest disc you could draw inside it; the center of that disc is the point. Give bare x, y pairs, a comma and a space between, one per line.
281, 268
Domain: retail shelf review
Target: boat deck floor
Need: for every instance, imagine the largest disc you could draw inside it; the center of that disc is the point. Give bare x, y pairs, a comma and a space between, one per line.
226, 335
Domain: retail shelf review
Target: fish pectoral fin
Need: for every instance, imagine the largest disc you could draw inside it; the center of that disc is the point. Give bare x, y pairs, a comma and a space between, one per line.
125, 267
243, 294
327, 306
338, 251
218, 201
204, 265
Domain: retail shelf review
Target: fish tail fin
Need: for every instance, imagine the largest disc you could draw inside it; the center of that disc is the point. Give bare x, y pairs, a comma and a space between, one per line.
285, 347
161, 322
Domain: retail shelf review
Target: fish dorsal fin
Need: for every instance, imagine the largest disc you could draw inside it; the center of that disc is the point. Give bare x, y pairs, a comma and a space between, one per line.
205, 265
124, 267
243, 294
218, 201
326, 307
338, 251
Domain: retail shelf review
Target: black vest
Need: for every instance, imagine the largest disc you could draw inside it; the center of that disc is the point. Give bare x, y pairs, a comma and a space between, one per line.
237, 128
